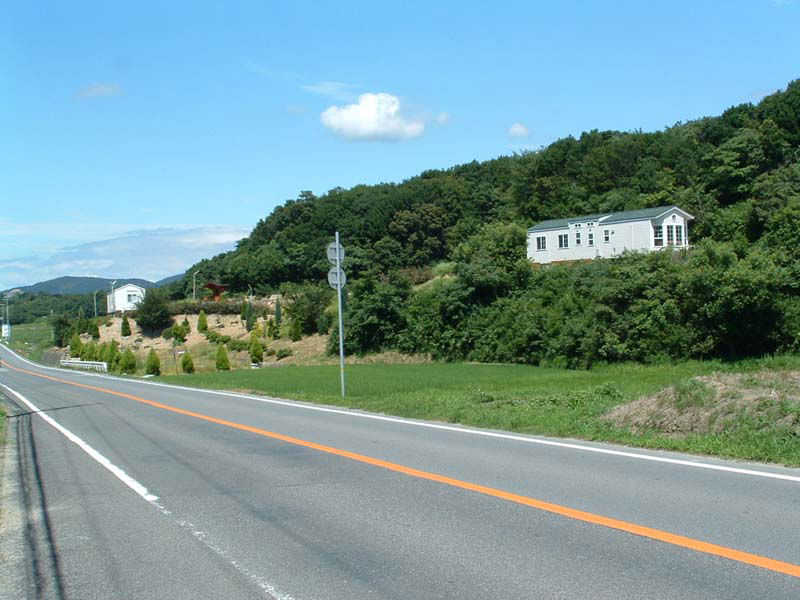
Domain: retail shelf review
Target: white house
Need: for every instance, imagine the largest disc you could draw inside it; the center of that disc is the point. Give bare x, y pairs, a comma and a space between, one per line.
608, 234
125, 297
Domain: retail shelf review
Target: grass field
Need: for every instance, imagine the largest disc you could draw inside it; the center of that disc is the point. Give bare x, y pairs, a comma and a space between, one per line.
519, 398
32, 339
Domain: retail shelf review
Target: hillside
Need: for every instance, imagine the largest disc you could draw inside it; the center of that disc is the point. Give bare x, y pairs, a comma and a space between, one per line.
734, 294
730, 171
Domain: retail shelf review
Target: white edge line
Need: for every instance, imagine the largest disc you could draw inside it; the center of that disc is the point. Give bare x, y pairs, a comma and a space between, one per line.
464, 430
115, 470
151, 498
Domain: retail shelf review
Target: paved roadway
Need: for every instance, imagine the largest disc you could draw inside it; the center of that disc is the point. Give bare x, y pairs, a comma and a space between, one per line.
247, 498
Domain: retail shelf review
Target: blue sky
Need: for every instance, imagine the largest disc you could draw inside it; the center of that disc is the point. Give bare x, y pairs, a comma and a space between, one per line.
169, 129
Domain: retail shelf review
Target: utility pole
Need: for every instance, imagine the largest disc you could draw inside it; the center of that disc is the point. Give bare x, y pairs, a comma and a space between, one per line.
112, 305
95, 303
194, 286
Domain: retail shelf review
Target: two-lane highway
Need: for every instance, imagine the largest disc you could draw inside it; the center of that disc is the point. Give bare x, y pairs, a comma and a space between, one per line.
118, 488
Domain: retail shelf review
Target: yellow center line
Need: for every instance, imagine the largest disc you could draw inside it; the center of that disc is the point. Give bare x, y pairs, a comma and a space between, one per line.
640, 530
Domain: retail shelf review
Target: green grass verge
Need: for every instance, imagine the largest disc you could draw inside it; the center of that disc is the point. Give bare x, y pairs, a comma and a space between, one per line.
517, 398
32, 339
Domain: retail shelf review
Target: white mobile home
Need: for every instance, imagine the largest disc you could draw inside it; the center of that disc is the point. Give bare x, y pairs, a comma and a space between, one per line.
125, 297
608, 234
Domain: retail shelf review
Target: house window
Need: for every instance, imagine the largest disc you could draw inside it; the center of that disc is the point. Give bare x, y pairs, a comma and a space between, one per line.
670, 235
606, 235
563, 240
679, 235
577, 238
132, 298
541, 243
658, 235
591, 238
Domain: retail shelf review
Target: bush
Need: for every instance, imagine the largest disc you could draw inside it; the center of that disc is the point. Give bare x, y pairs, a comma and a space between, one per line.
126, 326
186, 326
187, 364
179, 333
295, 331
75, 346
94, 330
221, 359
202, 322
307, 303
167, 334
89, 351
237, 345
270, 352
283, 353
152, 313
153, 365
127, 362
256, 351
278, 313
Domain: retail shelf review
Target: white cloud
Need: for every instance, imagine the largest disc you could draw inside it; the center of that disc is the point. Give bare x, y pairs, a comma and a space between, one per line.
99, 90
338, 90
443, 118
518, 130
374, 117
150, 254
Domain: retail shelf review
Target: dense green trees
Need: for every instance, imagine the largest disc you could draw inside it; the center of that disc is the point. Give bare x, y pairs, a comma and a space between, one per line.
152, 313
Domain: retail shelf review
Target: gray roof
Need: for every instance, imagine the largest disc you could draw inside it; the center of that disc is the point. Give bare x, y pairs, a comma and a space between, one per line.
609, 217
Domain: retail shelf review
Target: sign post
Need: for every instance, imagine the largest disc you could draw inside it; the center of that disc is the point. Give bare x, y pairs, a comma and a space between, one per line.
337, 279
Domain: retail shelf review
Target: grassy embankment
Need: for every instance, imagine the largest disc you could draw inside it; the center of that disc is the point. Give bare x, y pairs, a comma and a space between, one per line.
32, 339
544, 401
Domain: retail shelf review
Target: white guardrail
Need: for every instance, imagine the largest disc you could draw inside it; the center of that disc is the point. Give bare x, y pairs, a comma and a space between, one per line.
89, 365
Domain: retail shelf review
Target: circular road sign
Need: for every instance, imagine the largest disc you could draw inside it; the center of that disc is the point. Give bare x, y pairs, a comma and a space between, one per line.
335, 276
331, 251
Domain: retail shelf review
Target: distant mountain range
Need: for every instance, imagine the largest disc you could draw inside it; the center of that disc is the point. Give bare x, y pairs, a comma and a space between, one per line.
86, 285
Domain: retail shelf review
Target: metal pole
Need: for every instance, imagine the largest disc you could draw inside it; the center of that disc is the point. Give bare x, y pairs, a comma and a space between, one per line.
95, 303
341, 318
194, 285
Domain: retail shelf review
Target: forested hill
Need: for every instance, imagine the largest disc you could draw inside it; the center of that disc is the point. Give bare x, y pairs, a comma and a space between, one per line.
732, 172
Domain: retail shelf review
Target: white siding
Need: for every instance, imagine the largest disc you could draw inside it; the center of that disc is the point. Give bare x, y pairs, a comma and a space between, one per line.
623, 235
125, 298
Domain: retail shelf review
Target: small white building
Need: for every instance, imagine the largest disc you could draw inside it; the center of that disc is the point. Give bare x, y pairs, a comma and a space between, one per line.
608, 234
125, 297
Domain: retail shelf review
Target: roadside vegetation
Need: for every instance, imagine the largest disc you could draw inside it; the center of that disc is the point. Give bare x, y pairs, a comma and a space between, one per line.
32, 339
560, 402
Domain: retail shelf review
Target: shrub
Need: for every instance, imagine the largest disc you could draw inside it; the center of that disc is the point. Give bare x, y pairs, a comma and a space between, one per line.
127, 362
126, 326
249, 317
186, 326
237, 345
295, 331
270, 352
283, 353
152, 313
221, 359
202, 322
278, 313
256, 351
75, 346
153, 366
307, 303
187, 364
89, 351
179, 333
167, 334
94, 330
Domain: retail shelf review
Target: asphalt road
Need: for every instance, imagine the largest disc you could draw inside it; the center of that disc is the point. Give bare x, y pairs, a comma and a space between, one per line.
251, 498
